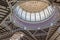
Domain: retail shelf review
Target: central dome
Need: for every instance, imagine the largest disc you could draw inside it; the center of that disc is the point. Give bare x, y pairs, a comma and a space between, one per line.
33, 11
32, 15
33, 6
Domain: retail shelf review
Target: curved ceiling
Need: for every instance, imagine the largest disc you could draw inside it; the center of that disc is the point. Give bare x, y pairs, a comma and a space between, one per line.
30, 20
33, 11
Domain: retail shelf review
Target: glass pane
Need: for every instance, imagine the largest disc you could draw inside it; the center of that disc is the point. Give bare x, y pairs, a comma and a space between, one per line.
28, 16
23, 15
20, 12
17, 9
32, 16
37, 17
50, 10
46, 13
42, 15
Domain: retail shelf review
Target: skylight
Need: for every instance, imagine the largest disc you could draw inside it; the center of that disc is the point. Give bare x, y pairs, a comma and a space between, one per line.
33, 13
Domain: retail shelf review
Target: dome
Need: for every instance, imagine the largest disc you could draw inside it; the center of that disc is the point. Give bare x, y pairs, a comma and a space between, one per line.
33, 11
33, 15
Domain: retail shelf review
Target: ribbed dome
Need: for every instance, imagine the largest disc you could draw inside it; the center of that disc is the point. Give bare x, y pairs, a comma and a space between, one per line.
33, 11
29, 19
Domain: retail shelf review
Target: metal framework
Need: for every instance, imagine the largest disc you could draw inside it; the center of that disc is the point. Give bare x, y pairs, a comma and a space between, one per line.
7, 29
